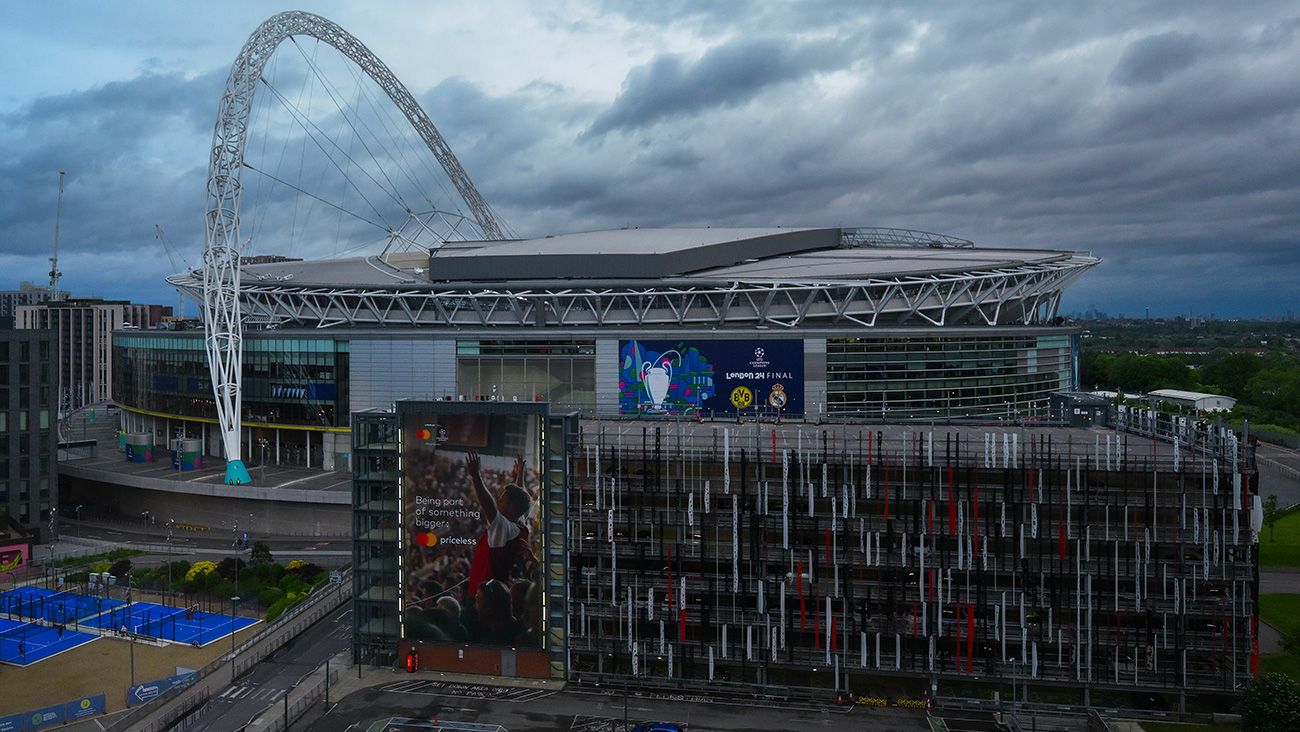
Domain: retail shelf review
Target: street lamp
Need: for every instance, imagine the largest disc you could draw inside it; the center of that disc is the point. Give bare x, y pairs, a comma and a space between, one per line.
170, 523
130, 629
234, 609
262, 442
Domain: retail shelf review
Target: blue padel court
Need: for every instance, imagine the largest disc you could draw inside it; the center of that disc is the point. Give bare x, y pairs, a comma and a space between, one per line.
178, 624
23, 643
67, 608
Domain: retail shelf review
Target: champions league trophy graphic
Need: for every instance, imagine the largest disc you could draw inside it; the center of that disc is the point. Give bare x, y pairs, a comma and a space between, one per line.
657, 377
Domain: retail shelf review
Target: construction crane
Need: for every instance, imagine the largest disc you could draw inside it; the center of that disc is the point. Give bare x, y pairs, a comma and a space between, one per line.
171, 257
55, 274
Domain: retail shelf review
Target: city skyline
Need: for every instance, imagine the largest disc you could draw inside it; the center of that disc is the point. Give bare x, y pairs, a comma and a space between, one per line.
1148, 139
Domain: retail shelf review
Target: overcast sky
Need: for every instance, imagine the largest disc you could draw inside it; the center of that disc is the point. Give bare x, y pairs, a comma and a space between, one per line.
1163, 137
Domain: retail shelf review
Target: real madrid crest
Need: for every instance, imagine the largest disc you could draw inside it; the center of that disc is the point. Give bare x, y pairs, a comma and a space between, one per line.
777, 397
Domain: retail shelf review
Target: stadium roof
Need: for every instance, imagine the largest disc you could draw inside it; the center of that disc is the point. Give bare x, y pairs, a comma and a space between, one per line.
710, 277
701, 254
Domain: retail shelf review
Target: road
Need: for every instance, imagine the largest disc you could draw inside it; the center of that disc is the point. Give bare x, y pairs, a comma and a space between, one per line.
1279, 473
268, 681
536, 710
202, 542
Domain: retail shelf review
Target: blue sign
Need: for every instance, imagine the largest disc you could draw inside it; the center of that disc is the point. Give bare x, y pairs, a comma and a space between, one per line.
42, 717
309, 391
710, 376
86, 706
150, 690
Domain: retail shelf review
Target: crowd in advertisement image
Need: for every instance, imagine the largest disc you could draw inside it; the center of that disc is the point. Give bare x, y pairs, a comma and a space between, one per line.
473, 531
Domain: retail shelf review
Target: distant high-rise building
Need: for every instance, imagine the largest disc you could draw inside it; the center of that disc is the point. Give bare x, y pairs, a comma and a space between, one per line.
26, 294
28, 435
83, 329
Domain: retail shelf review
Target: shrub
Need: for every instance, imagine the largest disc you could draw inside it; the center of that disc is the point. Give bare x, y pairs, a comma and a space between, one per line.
284, 603
305, 571
291, 583
229, 565
200, 569
295, 564
120, 567
1272, 704
261, 553
268, 597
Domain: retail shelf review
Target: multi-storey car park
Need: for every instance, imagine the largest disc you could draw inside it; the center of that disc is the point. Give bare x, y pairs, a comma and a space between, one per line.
1079, 567
833, 540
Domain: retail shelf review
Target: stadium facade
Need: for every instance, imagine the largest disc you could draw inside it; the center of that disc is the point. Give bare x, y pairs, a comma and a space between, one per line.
757, 557
849, 323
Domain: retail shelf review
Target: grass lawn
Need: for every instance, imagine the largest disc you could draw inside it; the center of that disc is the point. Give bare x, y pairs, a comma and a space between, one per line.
1282, 663
1178, 727
1283, 548
1281, 611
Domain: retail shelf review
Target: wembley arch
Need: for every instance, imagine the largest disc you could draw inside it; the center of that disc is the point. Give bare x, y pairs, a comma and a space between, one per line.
221, 256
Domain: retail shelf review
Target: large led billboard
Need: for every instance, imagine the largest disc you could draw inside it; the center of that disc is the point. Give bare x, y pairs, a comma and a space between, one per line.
710, 376
471, 521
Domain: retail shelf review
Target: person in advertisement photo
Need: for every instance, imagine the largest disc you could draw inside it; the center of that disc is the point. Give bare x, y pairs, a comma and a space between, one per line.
473, 524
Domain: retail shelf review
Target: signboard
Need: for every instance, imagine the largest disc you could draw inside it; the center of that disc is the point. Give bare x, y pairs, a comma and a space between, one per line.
710, 376
13, 556
150, 690
310, 391
471, 521
86, 706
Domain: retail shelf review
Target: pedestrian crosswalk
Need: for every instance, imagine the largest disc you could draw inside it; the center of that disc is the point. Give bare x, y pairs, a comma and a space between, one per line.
249, 692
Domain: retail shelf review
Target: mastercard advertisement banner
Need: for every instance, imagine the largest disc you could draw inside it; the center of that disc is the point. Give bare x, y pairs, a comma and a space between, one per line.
471, 521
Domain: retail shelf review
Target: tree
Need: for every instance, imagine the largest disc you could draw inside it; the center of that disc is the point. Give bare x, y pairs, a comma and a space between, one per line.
120, 568
1271, 515
261, 553
1272, 704
1231, 373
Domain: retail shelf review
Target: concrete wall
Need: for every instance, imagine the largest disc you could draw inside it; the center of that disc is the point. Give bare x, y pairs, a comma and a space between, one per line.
814, 376
383, 370
607, 375
218, 513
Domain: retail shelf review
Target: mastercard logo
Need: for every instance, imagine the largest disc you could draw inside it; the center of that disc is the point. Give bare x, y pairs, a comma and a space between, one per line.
423, 434
425, 539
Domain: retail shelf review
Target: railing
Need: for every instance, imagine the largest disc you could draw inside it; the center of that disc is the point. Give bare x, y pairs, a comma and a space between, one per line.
278, 720
1096, 723
162, 713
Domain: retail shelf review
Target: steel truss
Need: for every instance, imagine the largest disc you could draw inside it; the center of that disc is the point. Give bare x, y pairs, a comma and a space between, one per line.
221, 292
1028, 294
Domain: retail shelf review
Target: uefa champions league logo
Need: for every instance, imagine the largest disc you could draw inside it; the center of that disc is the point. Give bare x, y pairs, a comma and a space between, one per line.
759, 362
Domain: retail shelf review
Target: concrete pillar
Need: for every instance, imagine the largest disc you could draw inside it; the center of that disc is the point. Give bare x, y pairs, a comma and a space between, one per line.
327, 450
277, 446
306, 435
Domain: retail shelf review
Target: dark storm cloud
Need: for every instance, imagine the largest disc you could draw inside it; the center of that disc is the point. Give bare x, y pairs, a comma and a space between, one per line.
1153, 59
1161, 141
727, 75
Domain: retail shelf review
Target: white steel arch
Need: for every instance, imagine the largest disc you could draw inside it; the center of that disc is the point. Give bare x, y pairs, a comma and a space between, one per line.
221, 278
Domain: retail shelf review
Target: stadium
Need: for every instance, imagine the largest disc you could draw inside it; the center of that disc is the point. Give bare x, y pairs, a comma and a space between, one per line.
878, 323
598, 379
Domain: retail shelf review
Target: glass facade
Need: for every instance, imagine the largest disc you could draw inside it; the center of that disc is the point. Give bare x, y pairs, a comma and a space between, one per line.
28, 443
946, 376
561, 372
374, 531
297, 381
